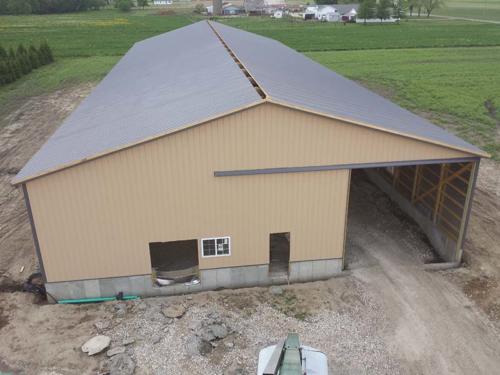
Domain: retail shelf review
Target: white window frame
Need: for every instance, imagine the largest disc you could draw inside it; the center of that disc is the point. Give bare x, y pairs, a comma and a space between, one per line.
215, 239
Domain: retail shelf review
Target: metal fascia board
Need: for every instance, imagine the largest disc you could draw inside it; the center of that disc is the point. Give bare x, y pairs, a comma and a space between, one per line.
334, 167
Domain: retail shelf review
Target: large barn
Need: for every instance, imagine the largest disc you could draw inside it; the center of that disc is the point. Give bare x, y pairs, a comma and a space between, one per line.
211, 157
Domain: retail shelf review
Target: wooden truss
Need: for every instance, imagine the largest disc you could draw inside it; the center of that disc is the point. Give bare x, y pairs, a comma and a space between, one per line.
440, 191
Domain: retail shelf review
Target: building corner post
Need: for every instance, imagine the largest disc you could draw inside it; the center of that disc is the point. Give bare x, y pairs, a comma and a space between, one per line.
33, 231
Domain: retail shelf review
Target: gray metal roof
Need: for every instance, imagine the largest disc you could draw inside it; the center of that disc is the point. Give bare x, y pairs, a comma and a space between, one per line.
163, 83
186, 76
345, 8
292, 78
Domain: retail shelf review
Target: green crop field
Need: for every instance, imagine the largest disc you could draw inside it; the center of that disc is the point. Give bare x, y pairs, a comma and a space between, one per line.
476, 9
446, 70
322, 36
454, 87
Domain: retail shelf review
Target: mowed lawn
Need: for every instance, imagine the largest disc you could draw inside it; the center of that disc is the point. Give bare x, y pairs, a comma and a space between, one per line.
446, 70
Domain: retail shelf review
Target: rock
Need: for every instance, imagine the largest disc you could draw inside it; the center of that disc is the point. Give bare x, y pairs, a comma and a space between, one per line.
204, 347
219, 330
102, 325
115, 351
198, 346
120, 309
213, 332
155, 339
128, 341
96, 344
173, 311
169, 321
276, 290
229, 344
121, 364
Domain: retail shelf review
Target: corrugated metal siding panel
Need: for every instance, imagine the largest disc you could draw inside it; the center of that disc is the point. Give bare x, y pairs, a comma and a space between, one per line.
97, 219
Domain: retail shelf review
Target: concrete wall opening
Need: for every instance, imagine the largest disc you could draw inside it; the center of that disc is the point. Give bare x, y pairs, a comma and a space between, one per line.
174, 262
279, 254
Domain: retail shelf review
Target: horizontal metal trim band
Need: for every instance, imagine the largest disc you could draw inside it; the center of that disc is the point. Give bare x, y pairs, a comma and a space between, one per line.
334, 167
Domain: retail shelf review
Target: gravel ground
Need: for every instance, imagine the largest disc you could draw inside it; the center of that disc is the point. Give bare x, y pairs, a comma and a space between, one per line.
346, 324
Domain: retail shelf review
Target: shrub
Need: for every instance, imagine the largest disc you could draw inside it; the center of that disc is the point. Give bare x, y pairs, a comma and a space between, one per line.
18, 7
124, 5
199, 8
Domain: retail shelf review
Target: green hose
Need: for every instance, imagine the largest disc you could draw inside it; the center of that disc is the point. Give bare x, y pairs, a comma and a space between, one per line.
93, 300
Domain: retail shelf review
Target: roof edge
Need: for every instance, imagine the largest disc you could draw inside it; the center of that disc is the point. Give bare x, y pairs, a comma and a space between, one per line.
15, 181
481, 154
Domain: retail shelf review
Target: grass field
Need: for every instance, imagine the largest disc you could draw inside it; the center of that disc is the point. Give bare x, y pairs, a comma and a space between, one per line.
446, 70
479, 9
452, 86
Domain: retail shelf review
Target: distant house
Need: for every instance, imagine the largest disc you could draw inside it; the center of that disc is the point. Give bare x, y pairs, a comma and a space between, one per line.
225, 4
327, 13
348, 12
232, 10
263, 6
162, 2
322, 12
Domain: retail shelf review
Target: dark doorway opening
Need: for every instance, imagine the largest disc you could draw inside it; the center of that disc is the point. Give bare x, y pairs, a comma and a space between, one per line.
175, 261
279, 257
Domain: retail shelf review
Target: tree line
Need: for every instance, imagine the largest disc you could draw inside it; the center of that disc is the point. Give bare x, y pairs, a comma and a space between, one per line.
383, 9
49, 6
16, 63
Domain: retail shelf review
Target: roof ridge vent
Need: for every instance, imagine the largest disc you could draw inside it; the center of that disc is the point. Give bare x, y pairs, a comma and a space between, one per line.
247, 74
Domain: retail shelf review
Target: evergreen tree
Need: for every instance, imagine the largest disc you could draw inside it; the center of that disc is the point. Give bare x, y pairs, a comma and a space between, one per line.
14, 68
12, 54
3, 73
3, 53
46, 52
22, 57
33, 56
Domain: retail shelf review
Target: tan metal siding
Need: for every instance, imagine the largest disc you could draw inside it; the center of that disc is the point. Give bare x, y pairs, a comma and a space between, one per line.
96, 219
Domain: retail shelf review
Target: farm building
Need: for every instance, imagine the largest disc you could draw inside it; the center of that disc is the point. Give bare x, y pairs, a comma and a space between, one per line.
211, 157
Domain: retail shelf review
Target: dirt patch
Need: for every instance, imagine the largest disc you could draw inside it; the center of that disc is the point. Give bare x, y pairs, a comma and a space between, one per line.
480, 276
22, 133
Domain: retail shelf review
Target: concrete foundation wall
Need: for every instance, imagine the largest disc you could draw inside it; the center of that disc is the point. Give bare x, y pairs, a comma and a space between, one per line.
445, 246
230, 277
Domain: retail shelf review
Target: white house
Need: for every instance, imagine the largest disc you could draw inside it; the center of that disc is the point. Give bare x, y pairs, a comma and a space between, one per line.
327, 13
162, 2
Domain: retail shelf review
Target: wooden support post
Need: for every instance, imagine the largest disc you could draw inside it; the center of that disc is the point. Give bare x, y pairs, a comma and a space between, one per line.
441, 185
395, 177
467, 208
416, 181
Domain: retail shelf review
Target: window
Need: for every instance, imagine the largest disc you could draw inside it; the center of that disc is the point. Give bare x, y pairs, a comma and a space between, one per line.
220, 246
